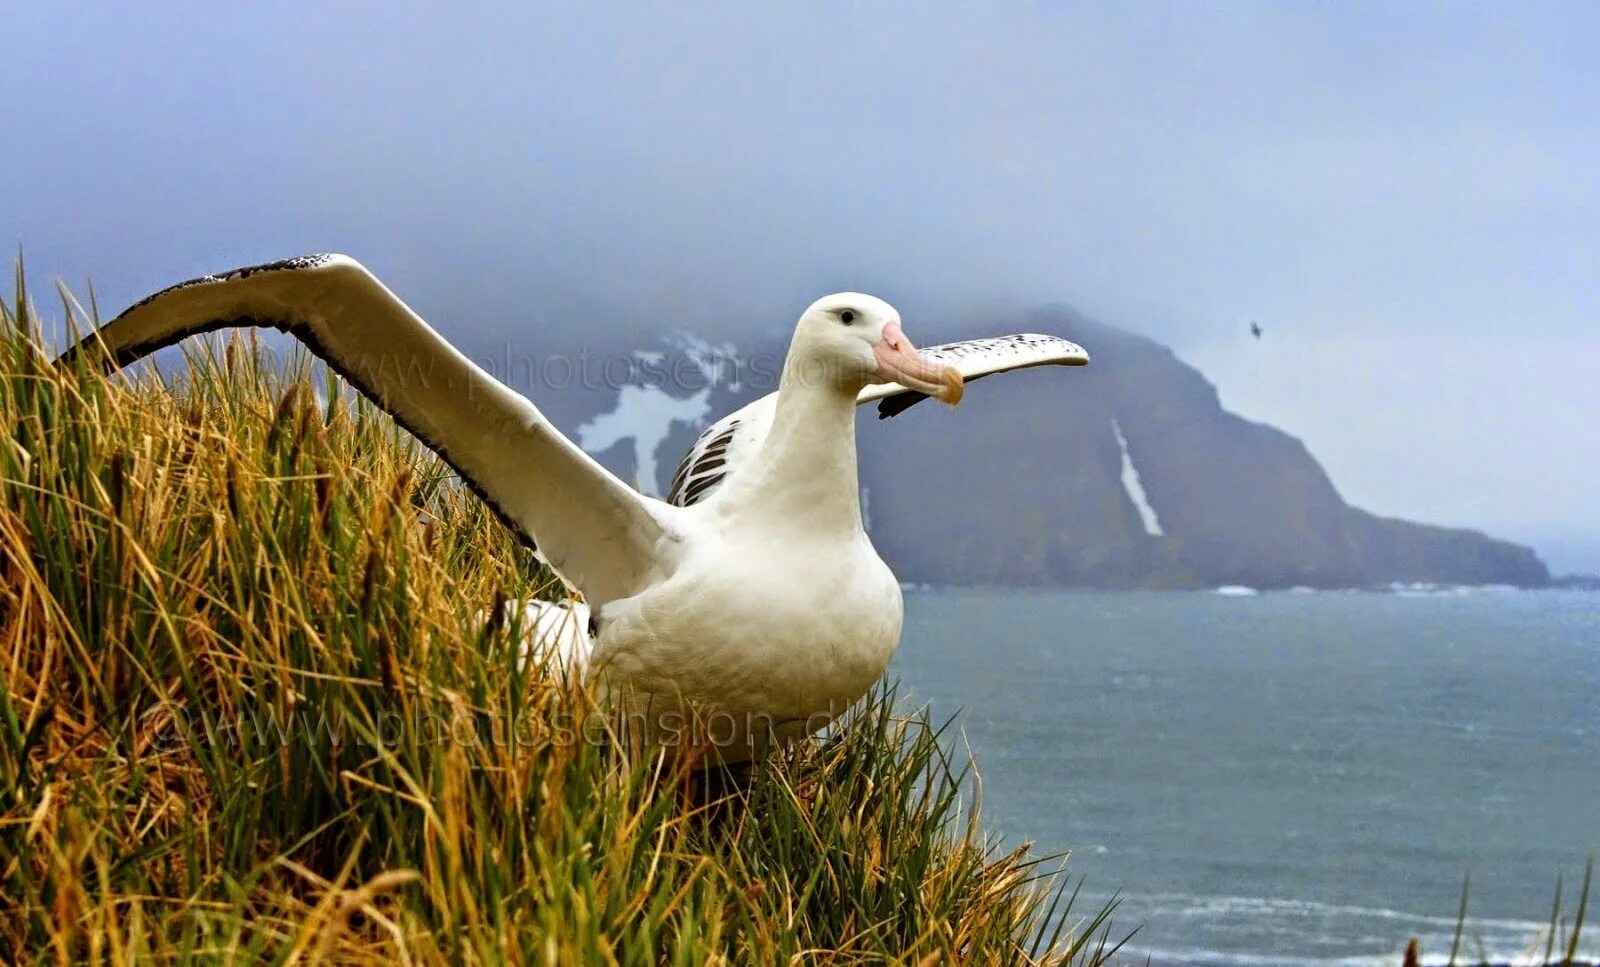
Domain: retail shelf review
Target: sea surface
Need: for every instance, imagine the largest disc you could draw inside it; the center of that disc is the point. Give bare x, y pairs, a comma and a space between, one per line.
1284, 778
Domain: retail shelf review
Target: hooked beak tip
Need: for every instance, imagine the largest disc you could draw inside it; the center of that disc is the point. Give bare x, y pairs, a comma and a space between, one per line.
954, 386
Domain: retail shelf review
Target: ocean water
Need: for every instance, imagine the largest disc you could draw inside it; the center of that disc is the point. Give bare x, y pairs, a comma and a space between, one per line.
1284, 778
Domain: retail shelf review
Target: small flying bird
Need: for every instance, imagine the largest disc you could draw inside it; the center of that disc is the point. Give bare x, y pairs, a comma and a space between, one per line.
752, 595
1255, 330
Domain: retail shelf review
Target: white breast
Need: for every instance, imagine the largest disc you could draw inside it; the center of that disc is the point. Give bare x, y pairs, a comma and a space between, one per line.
758, 632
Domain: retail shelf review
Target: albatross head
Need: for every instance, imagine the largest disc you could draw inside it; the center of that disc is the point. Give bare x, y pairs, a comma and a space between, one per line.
850, 340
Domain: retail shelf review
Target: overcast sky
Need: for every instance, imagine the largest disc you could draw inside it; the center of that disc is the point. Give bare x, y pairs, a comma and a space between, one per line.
1404, 196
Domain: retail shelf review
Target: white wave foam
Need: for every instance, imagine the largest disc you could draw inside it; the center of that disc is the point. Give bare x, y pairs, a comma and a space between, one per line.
1425, 589
1187, 904
1505, 941
1205, 957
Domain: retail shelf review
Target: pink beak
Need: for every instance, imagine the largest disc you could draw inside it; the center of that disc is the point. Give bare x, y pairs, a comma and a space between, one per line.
899, 362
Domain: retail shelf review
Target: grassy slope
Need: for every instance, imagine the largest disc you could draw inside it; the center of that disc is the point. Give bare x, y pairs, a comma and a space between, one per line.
248, 714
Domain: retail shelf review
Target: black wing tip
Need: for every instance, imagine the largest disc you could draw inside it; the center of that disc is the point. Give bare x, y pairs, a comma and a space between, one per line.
294, 264
114, 359
892, 406
94, 347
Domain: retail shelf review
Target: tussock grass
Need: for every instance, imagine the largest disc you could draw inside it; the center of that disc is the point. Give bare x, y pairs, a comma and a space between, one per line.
249, 714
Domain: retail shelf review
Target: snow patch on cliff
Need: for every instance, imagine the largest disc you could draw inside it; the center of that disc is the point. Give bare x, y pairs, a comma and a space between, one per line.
646, 415
1135, 489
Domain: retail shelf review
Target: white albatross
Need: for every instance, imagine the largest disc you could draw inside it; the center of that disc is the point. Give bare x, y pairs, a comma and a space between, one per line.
752, 597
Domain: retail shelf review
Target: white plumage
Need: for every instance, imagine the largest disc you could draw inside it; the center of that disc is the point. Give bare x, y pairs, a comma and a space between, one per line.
765, 611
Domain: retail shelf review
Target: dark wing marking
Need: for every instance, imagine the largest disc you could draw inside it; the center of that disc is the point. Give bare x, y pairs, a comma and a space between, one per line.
701, 467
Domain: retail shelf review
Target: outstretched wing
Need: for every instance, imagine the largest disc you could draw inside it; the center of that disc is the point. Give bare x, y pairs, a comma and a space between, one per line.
977, 358
603, 537
731, 442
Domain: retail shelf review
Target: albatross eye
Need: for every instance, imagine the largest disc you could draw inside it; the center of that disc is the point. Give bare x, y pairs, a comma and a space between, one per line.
847, 317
